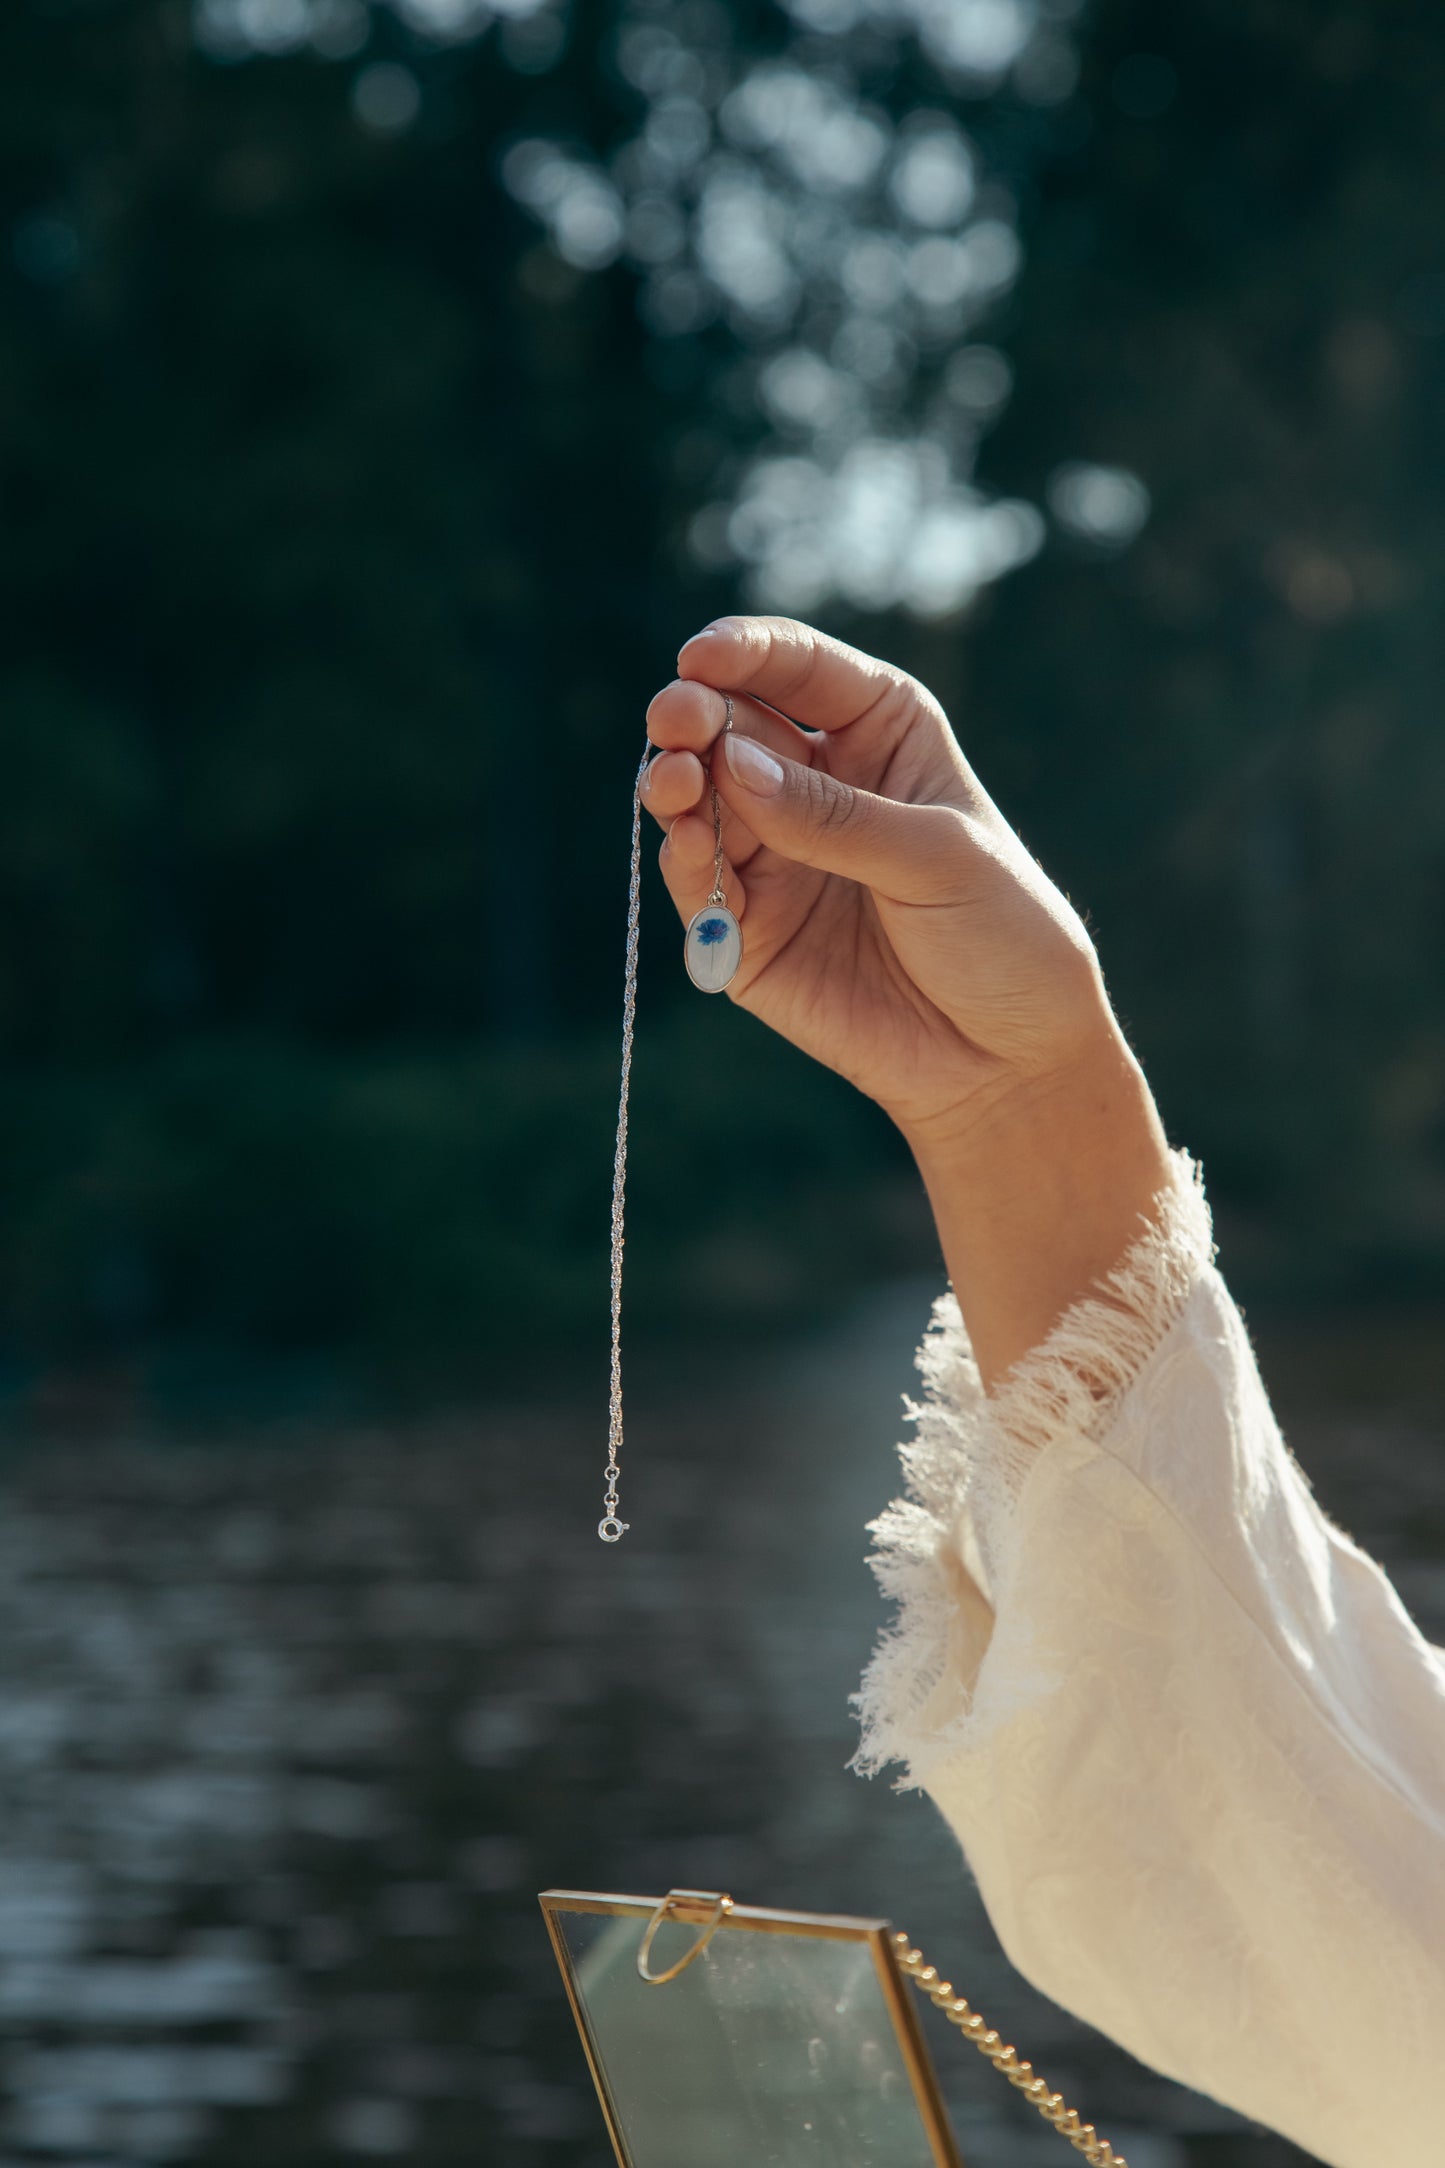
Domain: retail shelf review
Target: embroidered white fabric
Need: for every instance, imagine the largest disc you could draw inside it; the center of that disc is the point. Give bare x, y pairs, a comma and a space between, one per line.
1191, 1742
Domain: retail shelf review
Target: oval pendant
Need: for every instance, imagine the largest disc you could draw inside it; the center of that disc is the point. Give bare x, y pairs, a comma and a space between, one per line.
712, 948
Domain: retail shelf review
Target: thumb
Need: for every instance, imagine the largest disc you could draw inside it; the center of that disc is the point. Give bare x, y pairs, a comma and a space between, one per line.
909, 853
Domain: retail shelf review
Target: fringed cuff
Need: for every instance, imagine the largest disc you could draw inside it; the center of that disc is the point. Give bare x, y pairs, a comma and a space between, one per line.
941, 1551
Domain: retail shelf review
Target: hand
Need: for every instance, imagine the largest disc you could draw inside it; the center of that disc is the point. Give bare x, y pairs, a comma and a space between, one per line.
894, 926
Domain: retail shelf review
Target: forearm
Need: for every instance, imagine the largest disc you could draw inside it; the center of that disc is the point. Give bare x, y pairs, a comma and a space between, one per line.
1040, 1193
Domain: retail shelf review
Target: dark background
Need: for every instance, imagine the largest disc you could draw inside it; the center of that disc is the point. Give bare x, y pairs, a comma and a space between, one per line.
346, 539
355, 503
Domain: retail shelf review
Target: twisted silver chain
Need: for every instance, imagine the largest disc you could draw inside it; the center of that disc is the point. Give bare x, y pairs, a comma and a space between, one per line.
610, 1528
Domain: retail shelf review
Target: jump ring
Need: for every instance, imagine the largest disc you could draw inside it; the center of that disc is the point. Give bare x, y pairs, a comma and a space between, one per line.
721, 1906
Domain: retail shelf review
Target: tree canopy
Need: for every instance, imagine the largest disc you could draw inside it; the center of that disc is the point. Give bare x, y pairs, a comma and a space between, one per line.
386, 392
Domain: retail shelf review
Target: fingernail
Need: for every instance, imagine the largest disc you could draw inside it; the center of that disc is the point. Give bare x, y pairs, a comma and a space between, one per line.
755, 769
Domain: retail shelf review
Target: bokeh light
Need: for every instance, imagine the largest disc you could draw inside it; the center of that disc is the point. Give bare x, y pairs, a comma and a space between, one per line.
1101, 504
849, 253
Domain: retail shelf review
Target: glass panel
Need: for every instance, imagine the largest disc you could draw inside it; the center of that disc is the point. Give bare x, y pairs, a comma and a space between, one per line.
774, 2049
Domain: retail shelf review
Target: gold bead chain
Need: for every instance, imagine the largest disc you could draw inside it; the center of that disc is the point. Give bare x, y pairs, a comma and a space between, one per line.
1082, 2136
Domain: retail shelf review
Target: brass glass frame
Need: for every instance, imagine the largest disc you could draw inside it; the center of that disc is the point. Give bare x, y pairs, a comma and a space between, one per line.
603, 1978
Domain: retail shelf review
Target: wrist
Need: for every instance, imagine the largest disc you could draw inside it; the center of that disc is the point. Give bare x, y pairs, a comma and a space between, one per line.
1037, 1189
1093, 1100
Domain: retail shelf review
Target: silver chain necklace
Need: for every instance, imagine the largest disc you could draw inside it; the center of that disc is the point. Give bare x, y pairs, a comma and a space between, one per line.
712, 949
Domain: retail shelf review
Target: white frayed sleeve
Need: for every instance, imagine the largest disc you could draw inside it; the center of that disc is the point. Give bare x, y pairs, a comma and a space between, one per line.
1190, 1740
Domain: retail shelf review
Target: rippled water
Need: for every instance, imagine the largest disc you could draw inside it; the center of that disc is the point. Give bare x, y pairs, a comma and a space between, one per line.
293, 1729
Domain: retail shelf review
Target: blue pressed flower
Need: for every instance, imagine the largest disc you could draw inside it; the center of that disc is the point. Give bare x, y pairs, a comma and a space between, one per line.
712, 929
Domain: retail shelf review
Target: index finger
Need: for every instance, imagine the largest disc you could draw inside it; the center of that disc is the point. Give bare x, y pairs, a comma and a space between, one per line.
804, 673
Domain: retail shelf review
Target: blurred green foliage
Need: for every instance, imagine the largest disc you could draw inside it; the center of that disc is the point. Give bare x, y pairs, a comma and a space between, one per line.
438, 1212
1231, 735
345, 544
